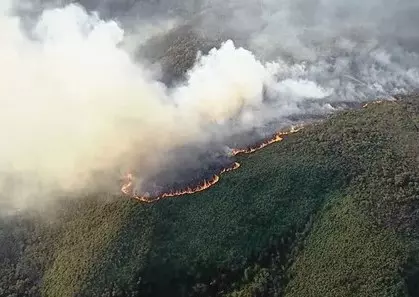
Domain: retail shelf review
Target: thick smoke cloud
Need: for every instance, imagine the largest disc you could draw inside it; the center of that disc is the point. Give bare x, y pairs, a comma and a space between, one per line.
81, 104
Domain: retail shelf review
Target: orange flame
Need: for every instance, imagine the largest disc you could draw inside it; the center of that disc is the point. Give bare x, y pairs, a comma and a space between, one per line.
190, 190
278, 137
128, 186
373, 102
235, 166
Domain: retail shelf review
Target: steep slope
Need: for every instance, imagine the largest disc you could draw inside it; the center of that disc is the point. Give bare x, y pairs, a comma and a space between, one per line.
330, 211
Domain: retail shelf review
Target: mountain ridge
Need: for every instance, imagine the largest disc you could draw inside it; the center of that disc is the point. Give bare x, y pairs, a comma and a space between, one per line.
338, 197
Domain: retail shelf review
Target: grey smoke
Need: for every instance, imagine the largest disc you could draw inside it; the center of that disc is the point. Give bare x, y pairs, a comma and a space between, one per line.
143, 78
360, 49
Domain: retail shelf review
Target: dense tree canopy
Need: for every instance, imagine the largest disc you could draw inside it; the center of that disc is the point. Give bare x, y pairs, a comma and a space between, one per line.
331, 210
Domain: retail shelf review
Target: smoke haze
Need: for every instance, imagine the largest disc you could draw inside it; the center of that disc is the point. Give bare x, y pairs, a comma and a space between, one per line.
80, 98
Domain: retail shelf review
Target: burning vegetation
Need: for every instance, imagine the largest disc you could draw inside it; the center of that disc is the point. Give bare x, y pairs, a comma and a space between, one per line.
276, 138
371, 103
128, 187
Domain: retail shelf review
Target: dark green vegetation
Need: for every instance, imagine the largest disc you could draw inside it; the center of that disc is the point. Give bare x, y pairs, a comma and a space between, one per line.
332, 210
176, 51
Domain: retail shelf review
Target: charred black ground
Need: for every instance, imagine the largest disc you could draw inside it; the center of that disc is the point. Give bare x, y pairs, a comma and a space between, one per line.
329, 211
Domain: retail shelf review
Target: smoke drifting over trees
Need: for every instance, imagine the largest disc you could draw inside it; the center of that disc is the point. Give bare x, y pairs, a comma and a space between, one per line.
83, 89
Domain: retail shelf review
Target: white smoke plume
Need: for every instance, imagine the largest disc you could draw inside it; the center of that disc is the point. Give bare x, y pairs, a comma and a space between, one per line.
75, 103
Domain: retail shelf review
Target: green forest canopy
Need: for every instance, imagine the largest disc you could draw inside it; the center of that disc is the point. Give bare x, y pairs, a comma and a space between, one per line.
330, 211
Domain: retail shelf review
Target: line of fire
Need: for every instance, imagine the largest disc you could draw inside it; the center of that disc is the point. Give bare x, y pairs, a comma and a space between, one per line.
128, 185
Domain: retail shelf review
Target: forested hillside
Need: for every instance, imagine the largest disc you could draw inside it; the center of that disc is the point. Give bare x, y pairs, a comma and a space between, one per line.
332, 210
